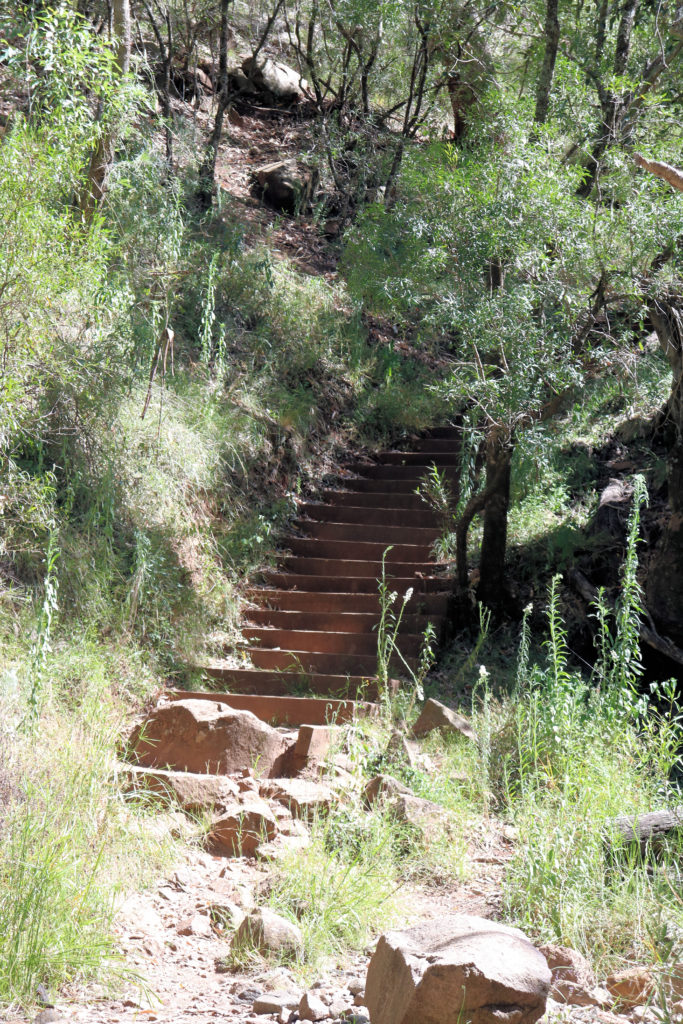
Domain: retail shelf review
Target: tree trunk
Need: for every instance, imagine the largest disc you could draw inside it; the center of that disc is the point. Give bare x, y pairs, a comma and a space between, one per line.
652, 831
670, 174
499, 449
103, 155
545, 78
664, 590
207, 172
166, 52
614, 107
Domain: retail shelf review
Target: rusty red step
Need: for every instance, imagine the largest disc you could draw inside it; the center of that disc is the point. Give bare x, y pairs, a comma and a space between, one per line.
335, 622
392, 474
325, 642
432, 445
319, 662
396, 488
424, 459
358, 550
331, 567
354, 584
301, 600
371, 517
450, 432
279, 684
384, 534
285, 709
377, 499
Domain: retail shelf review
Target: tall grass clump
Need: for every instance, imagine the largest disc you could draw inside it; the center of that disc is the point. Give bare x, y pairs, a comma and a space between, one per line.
343, 887
569, 755
70, 843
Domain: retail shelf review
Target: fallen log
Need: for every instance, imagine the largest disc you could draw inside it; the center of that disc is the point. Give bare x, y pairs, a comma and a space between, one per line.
659, 643
650, 831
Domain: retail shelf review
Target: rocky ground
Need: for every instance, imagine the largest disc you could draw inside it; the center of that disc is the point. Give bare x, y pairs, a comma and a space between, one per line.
176, 938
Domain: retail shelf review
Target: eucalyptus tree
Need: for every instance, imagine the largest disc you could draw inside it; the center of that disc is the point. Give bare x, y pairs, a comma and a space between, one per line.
103, 153
490, 253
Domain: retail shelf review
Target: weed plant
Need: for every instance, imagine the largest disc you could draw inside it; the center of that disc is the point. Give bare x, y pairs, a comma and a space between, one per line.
343, 887
569, 754
71, 845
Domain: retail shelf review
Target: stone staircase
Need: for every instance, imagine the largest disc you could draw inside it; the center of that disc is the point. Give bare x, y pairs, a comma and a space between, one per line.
313, 621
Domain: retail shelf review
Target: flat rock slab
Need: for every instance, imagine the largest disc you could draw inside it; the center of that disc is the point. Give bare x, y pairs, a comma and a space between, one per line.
204, 736
192, 792
303, 797
457, 969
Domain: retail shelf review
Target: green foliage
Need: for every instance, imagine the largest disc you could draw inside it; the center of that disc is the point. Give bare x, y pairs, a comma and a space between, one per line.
568, 754
342, 887
69, 843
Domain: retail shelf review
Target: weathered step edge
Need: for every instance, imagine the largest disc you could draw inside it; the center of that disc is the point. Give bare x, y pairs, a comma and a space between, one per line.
286, 710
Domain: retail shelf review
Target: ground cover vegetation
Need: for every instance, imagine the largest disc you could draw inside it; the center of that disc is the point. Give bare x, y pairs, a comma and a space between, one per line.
169, 380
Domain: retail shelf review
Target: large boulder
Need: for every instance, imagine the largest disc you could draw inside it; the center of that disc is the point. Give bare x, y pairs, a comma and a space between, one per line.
203, 736
454, 970
435, 715
285, 185
242, 827
426, 818
279, 82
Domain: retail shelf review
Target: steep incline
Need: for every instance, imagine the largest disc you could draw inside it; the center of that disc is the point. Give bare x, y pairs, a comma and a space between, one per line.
313, 624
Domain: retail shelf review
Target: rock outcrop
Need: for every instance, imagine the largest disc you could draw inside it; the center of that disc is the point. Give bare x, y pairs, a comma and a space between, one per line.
202, 736
285, 185
277, 82
190, 791
384, 787
435, 715
457, 968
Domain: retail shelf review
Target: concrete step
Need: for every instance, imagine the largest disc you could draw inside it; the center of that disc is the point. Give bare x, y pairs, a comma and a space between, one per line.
391, 473
334, 622
325, 643
379, 534
357, 550
371, 517
423, 458
434, 605
377, 499
333, 567
280, 684
353, 584
319, 662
